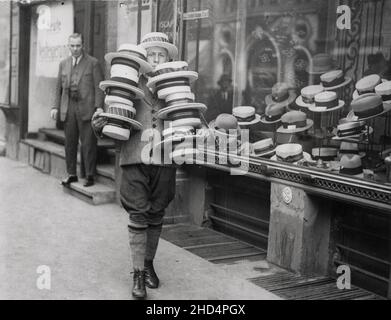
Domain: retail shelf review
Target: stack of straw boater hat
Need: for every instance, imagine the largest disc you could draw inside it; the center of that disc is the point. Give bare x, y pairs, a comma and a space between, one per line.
171, 82
122, 89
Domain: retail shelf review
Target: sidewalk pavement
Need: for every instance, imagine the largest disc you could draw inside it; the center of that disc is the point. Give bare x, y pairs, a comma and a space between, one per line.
86, 248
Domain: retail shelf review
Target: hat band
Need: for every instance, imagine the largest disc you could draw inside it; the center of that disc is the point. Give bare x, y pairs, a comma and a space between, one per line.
126, 62
248, 119
386, 97
335, 82
294, 125
324, 158
308, 100
327, 104
172, 83
119, 123
341, 151
280, 99
361, 92
291, 159
168, 70
351, 171
351, 132
119, 92
153, 39
175, 102
273, 118
178, 115
121, 112
133, 53
125, 80
371, 112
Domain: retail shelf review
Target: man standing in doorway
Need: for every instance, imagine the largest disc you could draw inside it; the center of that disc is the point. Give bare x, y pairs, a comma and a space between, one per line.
147, 183
77, 97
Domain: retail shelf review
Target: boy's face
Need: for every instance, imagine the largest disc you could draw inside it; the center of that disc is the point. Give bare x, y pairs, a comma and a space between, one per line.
156, 56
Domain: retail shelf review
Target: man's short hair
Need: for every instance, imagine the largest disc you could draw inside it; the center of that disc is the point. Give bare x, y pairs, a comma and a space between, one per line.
77, 35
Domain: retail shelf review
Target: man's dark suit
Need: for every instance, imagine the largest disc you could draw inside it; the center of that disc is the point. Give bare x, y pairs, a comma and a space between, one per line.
77, 108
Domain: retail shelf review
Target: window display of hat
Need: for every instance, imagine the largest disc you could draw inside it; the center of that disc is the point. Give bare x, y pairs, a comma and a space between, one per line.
246, 115
307, 95
326, 101
291, 153
351, 165
263, 148
294, 121
334, 79
384, 90
369, 105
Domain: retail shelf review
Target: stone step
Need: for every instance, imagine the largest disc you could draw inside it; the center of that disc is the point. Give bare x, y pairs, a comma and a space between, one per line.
96, 195
58, 136
49, 157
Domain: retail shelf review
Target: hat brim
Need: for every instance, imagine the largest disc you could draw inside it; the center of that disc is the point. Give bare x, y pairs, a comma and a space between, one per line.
145, 67
353, 137
191, 75
315, 109
286, 102
172, 49
386, 108
306, 157
343, 84
163, 113
212, 125
361, 154
255, 121
110, 83
135, 124
263, 154
310, 123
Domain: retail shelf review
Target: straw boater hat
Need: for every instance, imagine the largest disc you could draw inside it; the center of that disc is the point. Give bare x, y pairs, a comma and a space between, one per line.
321, 63
324, 153
384, 90
366, 85
334, 79
370, 105
294, 122
351, 165
291, 153
273, 113
159, 39
350, 129
307, 97
246, 115
226, 128
349, 148
122, 89
281, 94
130, 53
171, 77
263, 148
326, 101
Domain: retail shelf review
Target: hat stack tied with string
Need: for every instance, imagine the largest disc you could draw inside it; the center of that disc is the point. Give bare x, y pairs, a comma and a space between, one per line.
122, 89
171, 82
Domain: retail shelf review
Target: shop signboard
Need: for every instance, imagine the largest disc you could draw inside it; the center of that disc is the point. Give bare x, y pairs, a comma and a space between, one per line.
54, 25
195, 15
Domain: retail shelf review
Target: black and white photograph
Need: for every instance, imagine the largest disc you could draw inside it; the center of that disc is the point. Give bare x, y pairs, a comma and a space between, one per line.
218, 152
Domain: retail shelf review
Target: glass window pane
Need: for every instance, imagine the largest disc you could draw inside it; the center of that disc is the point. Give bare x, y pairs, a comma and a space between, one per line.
5, 24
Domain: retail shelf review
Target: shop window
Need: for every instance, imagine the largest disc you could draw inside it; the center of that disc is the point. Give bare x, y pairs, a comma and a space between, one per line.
271, 50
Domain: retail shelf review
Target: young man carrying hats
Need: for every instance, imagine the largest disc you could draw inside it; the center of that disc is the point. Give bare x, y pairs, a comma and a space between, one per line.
147, 184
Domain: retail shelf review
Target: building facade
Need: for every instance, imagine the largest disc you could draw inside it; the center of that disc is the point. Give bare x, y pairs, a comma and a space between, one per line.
308, 218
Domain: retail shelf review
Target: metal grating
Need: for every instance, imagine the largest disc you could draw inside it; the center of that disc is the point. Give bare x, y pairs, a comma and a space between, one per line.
295, 287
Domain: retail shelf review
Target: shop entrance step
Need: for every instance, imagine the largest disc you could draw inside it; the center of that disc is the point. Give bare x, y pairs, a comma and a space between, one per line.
97, 194
250, 262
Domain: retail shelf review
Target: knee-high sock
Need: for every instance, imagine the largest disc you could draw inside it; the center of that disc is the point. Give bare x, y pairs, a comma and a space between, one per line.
153, 235
137, 241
